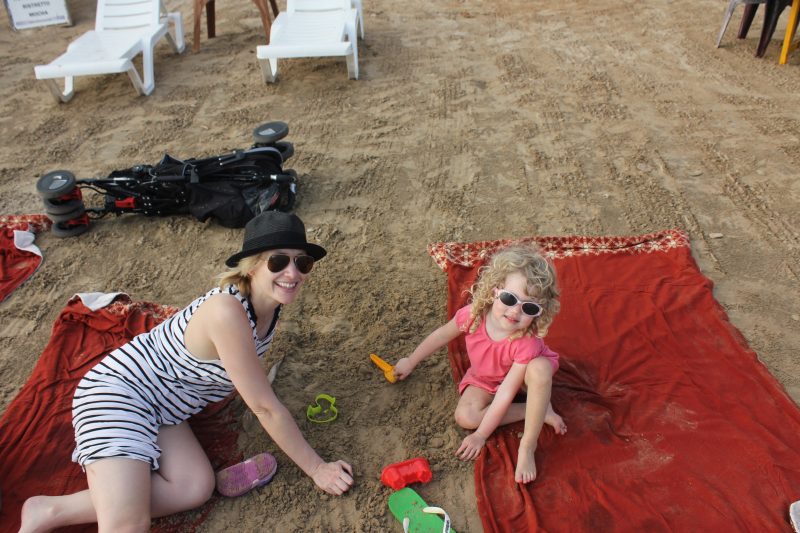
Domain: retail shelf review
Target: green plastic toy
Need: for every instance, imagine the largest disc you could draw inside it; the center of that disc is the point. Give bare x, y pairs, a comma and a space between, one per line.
324, 411
416, 516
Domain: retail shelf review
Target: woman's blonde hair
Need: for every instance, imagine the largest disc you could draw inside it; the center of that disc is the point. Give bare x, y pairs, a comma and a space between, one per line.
542, 286
240, 274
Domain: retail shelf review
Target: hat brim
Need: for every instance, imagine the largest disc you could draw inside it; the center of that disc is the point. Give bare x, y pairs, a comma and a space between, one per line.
314, 250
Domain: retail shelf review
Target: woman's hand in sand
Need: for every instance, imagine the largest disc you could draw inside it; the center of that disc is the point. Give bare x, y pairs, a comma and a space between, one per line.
403, 368
471, 446
334, 478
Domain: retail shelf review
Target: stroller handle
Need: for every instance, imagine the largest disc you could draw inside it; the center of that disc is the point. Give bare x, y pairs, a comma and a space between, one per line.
285, 178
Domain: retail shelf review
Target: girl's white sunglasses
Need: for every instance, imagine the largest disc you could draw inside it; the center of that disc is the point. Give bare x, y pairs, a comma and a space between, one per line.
530, 308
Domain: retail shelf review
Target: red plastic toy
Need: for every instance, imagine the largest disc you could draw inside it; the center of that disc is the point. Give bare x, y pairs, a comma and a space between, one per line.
398, 475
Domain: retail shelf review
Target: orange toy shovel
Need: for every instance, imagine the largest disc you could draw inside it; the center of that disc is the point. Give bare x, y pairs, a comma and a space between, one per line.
388, 370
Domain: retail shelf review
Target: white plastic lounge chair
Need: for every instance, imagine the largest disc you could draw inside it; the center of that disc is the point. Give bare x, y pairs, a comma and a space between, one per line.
123, 29
358, 6
311, 28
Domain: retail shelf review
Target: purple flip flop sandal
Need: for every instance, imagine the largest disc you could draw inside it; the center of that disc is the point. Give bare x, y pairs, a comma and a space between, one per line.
247, 475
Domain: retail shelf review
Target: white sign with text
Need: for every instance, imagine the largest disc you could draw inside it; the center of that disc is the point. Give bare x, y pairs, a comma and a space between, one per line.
33, 13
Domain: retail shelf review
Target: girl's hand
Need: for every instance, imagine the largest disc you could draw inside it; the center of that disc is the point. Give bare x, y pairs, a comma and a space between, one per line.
403, 368
471, 446
334, 478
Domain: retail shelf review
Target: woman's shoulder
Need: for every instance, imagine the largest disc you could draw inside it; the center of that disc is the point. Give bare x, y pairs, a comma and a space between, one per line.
221, 300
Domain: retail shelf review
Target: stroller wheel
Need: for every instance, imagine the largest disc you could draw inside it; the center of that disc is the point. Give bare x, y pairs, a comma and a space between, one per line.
54, 207
65, 217
270, 132
286, 149
55, 184
70, 228
70, 224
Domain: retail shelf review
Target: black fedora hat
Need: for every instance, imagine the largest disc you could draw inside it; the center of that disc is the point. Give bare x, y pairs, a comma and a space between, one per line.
272, 230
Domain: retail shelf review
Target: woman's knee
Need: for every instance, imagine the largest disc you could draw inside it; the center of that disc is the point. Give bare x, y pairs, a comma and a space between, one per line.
184, 467
197, 488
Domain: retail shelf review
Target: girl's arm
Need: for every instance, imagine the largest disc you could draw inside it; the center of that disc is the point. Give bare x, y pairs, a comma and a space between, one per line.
232, 336
432, 343
472, 444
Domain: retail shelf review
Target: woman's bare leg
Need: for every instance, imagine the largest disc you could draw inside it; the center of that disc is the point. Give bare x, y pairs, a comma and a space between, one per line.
184, 481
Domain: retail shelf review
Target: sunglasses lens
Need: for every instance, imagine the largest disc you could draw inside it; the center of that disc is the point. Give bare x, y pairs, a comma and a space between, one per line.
304, 263
531, 309
277, 262
508, 299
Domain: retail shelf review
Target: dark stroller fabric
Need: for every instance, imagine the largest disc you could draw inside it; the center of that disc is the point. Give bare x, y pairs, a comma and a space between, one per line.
673, 422
231, 204
230, 189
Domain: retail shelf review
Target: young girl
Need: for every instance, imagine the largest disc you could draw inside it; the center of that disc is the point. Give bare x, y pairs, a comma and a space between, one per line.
513, 304
130, 411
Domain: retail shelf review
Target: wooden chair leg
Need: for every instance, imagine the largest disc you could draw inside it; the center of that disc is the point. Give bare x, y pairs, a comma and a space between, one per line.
211, 19
197, 15
199, 6
264, 12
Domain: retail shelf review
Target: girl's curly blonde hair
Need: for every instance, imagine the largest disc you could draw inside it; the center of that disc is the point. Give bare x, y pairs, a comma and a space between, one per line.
542, 286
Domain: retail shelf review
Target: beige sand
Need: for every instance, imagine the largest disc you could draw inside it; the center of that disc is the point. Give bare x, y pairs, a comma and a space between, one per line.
472, 120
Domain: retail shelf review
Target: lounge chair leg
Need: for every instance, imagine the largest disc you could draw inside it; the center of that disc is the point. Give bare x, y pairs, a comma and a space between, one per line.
269, 69
175, 36
136, 80
149, 78
352, 58
61, 96
352, 65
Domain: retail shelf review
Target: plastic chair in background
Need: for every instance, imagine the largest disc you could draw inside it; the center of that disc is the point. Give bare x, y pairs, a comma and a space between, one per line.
772, 12
791, 28
729, 13
123, 30
209, 7
311, 28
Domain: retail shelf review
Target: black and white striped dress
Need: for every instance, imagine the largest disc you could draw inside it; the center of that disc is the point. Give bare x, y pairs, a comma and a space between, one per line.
150, 382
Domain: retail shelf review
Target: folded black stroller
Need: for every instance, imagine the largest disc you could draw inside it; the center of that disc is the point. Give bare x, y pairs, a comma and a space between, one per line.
231, 188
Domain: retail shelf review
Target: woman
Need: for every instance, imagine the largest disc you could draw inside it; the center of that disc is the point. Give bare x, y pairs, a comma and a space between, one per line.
129, 412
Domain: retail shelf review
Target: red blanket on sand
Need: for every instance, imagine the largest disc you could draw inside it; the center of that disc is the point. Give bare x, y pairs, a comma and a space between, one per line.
36, 437
17, 265
674, 423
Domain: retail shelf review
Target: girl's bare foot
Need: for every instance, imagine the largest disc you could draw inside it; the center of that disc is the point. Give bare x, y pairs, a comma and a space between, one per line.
37, 515
552, 419
526, 465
